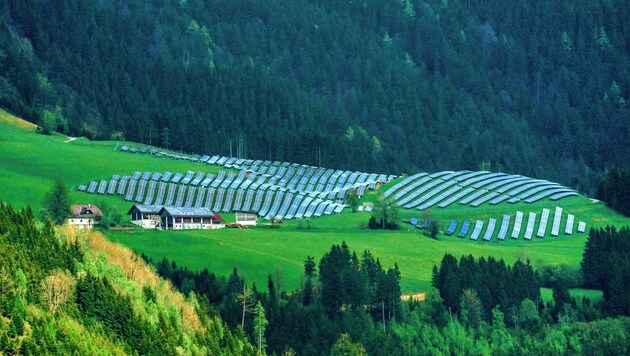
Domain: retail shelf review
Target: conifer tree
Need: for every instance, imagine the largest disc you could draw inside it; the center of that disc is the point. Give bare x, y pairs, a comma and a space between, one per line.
56, 203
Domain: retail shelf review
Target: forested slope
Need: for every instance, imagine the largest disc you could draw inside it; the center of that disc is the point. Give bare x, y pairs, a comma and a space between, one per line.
536, 88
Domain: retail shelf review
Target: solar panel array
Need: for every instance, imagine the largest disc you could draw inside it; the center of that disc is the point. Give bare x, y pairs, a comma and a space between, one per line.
423, 191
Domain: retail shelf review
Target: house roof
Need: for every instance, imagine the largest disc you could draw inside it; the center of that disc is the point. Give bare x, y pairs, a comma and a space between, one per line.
187, 212
85, 211
146, 209
217, 218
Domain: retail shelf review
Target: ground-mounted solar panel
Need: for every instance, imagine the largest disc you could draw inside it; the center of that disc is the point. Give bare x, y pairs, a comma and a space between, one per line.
131, 190
545, 194
92, 187
124, 148
482, 177
133, 149
144, 149
177, 177
448, 193
218, 201
569, 226
557, 217
499, 199
529, 229
453, 175
515, 184
230, 160
562, 195
321, 208
490, 230
294, 206
258, 200
239, 197
166, 177
170, 196
284, 207
505, 223
229, 201
272, 170
161, 192
198, 178
464, 230
122, 186
542, 226
489, 180
413, 190
474, 196
484, 198
536, 190
204, 158
429, 194
453, 198
136, 176
207, 180
142, 186
111, 187
516, 192
102, 187
188, 178
267, 203
339, 208
329, 209
310, 210
302, 209
146, 175
190, 197
477, 230
213, 159
148, 200
156, 176
181, 195
82, 188
209, 198
361, 190
451, 228
469, 175
581, 228
503, 182
249, 199
115, 177
518, 221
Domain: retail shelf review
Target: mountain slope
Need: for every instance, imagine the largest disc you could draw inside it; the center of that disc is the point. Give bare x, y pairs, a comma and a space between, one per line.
537, 88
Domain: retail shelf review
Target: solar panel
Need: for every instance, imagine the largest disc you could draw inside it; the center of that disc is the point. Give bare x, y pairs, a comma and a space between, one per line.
533, 191
339, 208
480, 178
440, 197
266, 204
517, 191
160, 194
82, 188
258, 200
294, 206
181, 193
455, 197
92, 188
167, 176
500, 199
542, 226
477, 230
177, 177
464, 230
329, 209
505, 223
218, 202
529, 229
136, 176
469, 175
581, 228
150, 193
557, 216
190, 197
310, 210
285, 205
505, 188
451, 228
490, 230
249, 199
302, 209
189, 177
238, 199
206, 182
229, 201
546, 193
473, 196
198, 179
131, 190
111, 188
172, 188
213, 159
430, 194
146, 175
500, 177
156, 176
408, 193
142, 185
503, 182
569, 227
210, 198
562, 195
518, 221
483, 199
122, 187
102, 187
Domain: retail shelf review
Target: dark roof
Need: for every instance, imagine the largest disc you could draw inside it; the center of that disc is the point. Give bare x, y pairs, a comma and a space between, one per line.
146, 209
85, 210
186, 212
217, 218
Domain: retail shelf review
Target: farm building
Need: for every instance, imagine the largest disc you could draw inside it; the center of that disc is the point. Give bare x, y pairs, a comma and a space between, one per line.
245, 217
178, 218
83, 215
146, 216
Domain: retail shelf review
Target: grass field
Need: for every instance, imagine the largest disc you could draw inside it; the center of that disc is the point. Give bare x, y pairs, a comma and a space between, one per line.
30, 162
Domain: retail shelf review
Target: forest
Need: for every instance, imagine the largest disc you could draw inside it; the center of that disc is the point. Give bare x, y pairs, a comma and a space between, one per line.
538, 88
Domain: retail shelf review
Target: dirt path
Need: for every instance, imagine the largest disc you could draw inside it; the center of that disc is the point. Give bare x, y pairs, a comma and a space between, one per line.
70, 139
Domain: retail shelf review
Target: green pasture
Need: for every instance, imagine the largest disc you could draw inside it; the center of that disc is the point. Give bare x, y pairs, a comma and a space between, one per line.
30, 162
593, 295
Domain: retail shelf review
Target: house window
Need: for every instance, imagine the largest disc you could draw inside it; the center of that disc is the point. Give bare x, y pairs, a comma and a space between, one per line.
178, 220
196, 220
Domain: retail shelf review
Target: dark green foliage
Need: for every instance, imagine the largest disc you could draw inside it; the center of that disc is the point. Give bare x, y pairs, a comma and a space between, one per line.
385, 214
606, 266
351, 199
493, 282
614, 189
377, 85
57, 204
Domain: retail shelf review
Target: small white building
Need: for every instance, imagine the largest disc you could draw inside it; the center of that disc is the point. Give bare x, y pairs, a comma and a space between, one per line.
248, 218
178, 218
147, 216
83, 215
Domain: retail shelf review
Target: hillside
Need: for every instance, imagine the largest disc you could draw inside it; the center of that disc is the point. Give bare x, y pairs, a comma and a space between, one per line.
534, 88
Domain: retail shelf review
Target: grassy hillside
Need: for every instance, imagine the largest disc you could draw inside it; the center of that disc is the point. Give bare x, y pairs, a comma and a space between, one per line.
30, 162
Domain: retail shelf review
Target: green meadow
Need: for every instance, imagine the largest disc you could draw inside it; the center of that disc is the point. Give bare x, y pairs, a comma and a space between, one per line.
30, 163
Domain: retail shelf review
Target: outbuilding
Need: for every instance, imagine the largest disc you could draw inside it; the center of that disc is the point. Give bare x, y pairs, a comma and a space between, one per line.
181, 218
147, 216
248, 218
83, 215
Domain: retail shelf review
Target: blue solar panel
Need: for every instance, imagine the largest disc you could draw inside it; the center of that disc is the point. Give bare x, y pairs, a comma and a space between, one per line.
122, 186
504, 227
518, 221
229, 201
190, 197
181, 193
142, 185
455, 197
464, 230
209, 198
172, 188
102, 187
92, 188
477, 230
490, 230
150, 193
542, 226
131, 190
451, 228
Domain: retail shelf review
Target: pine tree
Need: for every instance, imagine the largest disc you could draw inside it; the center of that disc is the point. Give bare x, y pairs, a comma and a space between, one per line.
260, 325
56, 204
